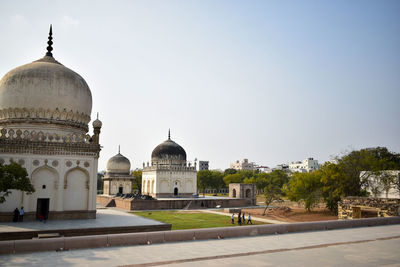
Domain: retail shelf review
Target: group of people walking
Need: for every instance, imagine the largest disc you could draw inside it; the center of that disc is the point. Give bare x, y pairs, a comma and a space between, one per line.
18, 215
242, 218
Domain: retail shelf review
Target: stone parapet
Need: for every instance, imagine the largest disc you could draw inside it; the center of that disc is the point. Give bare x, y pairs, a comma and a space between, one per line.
147, 238
173, 203
169, 168
32, 135
23, 146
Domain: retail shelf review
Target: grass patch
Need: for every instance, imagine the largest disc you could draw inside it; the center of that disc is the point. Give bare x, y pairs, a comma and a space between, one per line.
190, 220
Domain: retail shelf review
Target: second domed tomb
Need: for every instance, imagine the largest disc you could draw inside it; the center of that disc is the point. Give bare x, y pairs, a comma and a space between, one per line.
170, 174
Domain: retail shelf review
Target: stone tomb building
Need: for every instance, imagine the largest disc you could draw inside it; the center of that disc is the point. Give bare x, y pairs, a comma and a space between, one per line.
117, 179
169, 174
245, 191
45, 109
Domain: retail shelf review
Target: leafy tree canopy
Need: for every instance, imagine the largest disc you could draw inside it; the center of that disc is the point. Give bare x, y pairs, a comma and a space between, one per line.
14, 177
137, 182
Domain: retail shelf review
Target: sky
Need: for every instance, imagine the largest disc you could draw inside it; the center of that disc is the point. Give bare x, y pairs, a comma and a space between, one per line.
271, 81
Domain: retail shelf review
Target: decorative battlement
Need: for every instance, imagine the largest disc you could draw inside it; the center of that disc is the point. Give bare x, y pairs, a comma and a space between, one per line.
169, 168
11, 134
32, 142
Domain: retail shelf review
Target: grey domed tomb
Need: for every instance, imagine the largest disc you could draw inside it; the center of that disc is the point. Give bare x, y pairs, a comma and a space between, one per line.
45, 109
169, 174
117, 179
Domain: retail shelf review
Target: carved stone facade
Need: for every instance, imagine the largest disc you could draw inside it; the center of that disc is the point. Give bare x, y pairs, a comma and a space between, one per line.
117, 179
246, 191
45, 109
363, 207
169, 175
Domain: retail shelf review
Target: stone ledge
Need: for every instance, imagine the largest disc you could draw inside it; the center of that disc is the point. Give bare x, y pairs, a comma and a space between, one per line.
62, 243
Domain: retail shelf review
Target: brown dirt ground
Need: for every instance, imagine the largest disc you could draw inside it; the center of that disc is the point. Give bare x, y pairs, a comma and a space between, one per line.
296, 214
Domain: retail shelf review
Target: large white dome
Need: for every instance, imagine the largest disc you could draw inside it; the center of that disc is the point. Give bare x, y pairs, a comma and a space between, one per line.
45, 91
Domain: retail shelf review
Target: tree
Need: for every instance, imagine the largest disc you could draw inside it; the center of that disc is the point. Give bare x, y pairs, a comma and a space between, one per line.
204, 180
217, 181
359, 166
233, 178
305, 187
14, 177
137, 181
230, 171
332, 185
100, 183
273, 186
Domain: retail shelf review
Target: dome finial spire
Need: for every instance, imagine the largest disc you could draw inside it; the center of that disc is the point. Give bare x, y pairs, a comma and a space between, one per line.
119, 149
49, 42
169, 134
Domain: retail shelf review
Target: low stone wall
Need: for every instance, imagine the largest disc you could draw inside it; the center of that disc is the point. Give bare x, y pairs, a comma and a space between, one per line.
53, 215
66, 243
85, 232
352, 207
195, 203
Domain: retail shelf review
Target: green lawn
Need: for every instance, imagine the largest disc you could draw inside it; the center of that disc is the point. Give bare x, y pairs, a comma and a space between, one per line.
190, 220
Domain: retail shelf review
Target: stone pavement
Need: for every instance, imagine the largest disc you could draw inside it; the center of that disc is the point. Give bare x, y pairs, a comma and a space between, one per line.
105, 218
366, 246
252, 217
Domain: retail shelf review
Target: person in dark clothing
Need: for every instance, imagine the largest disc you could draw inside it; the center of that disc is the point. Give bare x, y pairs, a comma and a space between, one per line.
249, 219
240, 219
233, 218
16, 215
243, 219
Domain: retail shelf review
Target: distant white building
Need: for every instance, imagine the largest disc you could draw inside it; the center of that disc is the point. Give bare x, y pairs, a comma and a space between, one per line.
244, 164
307, 165
203, 165
265, 169
281, 167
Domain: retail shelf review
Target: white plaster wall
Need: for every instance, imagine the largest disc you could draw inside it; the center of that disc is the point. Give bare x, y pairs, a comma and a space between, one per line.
59, 165
76, 193
106, 188
13, 200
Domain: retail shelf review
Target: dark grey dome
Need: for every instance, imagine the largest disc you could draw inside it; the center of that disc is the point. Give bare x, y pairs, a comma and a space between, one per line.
168, 149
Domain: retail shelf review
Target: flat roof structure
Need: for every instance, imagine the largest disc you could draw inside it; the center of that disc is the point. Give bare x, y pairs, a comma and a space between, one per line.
107, 221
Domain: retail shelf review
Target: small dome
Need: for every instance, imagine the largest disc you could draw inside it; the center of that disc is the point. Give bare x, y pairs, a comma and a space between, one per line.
119, 164
168, 150
97, 123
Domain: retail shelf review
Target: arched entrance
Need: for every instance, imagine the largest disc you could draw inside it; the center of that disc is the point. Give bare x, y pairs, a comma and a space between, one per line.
248, 193
176, 191
234, 193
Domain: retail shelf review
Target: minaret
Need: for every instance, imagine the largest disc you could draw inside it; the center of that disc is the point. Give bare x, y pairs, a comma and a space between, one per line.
96, 129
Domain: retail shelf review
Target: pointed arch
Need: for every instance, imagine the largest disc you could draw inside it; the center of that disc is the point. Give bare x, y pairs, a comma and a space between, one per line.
76, 189
45, 180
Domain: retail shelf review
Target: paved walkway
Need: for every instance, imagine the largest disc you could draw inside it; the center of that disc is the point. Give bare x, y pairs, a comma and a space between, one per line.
252, 217
367, 246
104, 218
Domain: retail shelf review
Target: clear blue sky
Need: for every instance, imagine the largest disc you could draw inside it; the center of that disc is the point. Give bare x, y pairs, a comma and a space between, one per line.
271, 81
